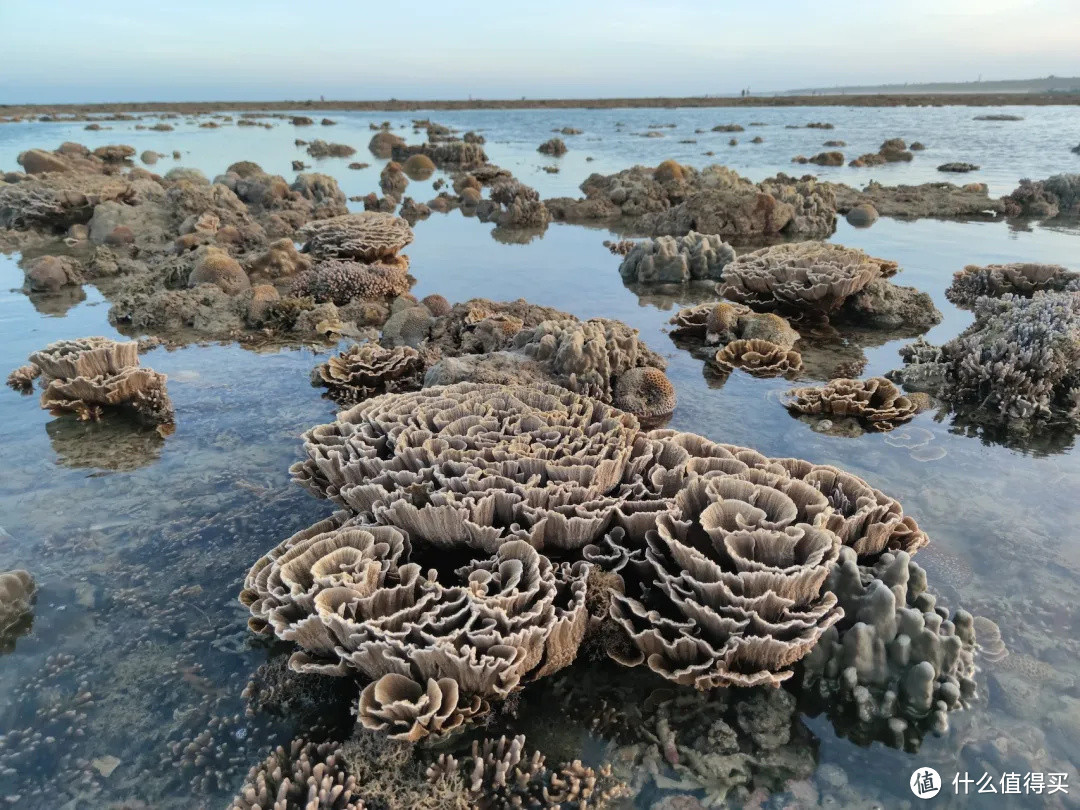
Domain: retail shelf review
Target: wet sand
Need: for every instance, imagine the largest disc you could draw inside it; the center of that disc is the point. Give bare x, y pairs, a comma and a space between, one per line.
875, 100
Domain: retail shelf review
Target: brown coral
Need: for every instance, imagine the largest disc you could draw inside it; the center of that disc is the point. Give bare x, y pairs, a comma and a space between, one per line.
419, 167
876, 401
762, 358
368, 237
222, 270
406, 710
344, 281
803, 277
280, 260
645, 392
366, 369
17, 591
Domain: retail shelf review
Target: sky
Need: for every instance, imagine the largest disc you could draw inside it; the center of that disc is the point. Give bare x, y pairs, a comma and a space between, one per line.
57, 51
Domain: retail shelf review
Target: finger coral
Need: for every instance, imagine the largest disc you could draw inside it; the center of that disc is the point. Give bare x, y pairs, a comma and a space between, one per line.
875, 401
366, 369
896, 663
306, 776
676, 259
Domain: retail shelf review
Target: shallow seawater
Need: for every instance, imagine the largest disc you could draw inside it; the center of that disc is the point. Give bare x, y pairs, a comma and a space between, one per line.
139, 544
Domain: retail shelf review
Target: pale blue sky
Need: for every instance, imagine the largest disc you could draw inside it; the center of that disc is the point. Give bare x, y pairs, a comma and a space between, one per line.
135, 50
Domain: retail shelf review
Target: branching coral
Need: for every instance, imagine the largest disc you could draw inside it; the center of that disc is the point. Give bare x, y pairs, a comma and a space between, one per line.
875, 401
306, 776
368, 237
342, 281
366, 369
87, 375
676, 259
1020, 359
802, 277
1020, 278
501, 773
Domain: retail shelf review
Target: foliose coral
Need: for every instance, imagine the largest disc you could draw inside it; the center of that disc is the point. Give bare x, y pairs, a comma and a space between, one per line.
366, 369
802, 277
88, 375
875, 401
759, 357
368, 237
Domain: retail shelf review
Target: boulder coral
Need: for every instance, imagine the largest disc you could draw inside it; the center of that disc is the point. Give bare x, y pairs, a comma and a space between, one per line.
322, 149
645, 392
876, 401
53, 273
88, 376
513, 204
554, 147
419, 167
281, 260
222, 270
676, 259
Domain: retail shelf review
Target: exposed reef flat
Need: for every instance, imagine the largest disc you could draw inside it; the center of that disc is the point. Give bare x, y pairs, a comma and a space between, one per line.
869, 100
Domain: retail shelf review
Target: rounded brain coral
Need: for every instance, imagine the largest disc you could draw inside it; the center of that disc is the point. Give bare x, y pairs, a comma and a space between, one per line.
419, 167
222, 270
645, 392
669, 172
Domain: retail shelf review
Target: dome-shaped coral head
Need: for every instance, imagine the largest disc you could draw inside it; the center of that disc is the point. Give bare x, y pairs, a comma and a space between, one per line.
419, 167
477, 465
669, 172
370, 236
645, 392
222, 270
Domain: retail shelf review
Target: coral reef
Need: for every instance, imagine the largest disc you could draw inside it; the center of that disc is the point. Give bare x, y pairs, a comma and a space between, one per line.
896, 663
321, 149
673, 200
57, 201
366, 369
553, 146
1057, 196
88, 375
676, 259
513, 205
645, 392
941, 200
875, 401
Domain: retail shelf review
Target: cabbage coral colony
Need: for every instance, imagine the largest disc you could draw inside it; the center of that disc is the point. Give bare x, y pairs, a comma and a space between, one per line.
459, 567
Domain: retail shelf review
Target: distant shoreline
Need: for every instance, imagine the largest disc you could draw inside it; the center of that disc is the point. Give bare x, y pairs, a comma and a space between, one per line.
394, 105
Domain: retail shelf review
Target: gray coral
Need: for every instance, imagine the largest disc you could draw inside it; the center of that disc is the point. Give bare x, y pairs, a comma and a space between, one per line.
1019, 278
342, 281
676, 259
